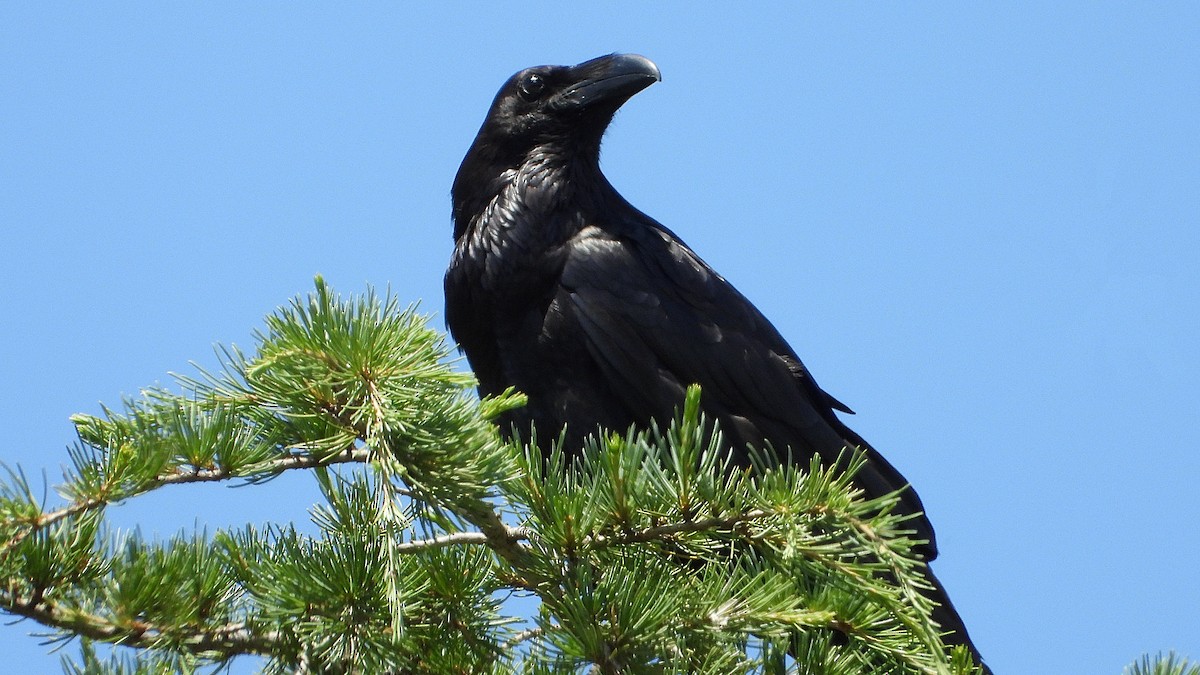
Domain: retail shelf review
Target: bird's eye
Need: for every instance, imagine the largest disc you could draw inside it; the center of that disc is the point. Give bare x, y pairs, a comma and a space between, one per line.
531, 86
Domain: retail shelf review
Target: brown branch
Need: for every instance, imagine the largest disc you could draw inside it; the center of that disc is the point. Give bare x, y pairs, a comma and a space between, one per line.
224, 641
504, 540
181, 476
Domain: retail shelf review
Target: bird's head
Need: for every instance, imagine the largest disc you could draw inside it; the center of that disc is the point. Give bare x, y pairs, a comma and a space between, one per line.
561, 102
561, 110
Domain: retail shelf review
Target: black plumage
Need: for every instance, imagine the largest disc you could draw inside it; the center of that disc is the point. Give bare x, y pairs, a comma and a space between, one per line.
600, 315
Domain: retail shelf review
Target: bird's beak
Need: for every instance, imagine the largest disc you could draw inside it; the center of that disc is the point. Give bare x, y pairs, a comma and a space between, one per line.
615, 78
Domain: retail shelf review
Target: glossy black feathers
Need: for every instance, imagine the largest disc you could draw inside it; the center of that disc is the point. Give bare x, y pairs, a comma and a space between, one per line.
602, 316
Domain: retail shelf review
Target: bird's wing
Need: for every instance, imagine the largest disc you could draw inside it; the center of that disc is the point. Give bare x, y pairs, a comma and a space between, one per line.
656, 319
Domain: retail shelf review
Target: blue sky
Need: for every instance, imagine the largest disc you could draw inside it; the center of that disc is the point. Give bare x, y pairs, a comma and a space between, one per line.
978, 226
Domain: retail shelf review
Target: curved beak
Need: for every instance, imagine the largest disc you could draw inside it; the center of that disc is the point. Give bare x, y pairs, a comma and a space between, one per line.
615, 77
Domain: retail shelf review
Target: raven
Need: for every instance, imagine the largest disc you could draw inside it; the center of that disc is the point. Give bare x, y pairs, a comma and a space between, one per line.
560, 288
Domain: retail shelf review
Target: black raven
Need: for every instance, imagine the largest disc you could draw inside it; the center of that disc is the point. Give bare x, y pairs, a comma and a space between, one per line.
600, 315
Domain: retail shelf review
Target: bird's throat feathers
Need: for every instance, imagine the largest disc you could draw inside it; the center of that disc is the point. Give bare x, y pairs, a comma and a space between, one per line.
523, 210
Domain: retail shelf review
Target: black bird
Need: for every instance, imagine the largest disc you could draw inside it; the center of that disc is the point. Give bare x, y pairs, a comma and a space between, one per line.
600, 315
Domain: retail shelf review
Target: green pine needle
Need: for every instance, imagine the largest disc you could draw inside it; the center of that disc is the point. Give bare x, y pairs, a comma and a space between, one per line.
645, 552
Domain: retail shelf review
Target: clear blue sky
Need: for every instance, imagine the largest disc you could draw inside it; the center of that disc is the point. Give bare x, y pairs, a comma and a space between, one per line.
979, 227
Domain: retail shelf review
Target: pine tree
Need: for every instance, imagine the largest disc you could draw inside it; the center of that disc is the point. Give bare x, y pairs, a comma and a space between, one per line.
647, 555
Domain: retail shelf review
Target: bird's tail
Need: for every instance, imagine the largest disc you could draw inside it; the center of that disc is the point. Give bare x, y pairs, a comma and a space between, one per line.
954, 631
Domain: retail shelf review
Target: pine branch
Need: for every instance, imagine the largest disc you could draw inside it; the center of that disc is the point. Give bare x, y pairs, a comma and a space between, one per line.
441, 541
183, 476
663, 532
414, 553
45, 520
524, 636
1163, 664
221, 642
504, 540
900, 574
